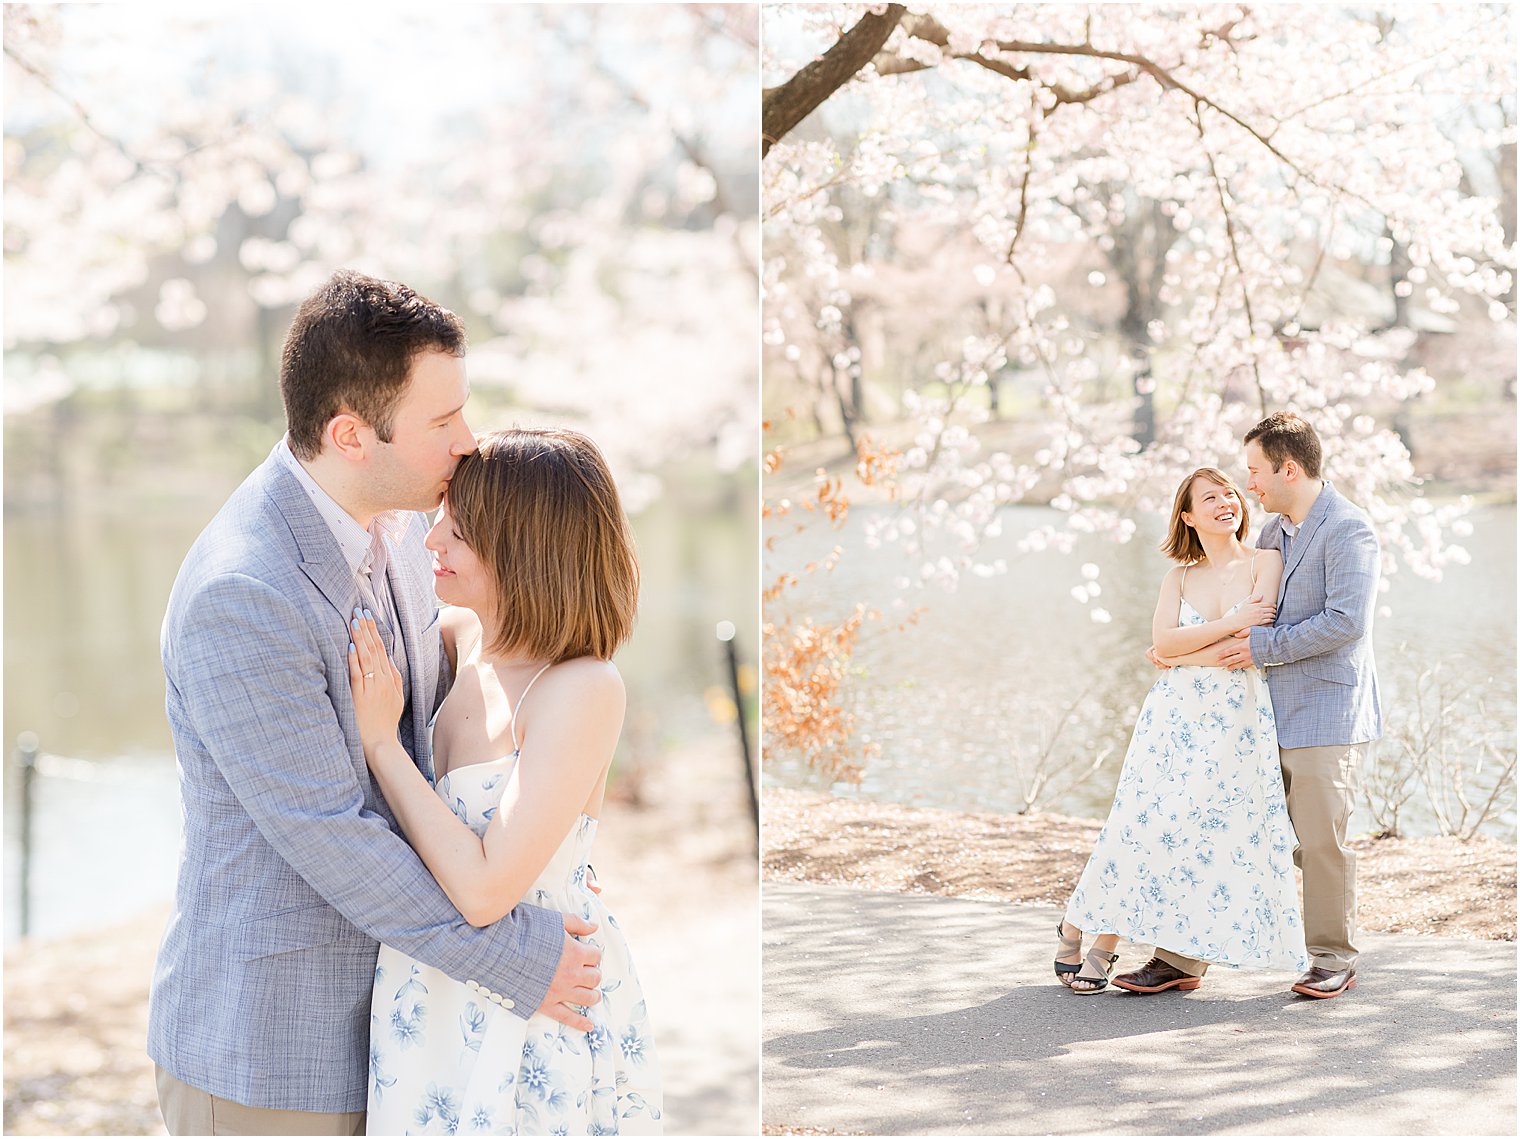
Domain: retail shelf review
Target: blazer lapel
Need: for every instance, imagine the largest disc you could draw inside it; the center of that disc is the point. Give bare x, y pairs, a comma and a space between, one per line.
320, 558
414, 615
1305, 535
322, 561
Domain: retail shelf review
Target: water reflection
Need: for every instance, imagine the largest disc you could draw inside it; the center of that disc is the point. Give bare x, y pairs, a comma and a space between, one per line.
1009, 668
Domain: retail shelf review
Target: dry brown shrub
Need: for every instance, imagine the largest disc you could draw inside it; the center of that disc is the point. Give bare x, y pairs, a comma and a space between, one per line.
806, 662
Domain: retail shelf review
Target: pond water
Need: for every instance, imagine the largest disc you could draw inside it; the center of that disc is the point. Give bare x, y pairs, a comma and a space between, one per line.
1011, 667
85, 590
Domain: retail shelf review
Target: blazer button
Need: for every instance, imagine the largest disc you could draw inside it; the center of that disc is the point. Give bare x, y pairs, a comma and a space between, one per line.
495, 998
507, 1002
472, 984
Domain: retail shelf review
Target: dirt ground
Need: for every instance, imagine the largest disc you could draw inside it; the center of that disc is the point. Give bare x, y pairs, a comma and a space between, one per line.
679, 873
1436, 886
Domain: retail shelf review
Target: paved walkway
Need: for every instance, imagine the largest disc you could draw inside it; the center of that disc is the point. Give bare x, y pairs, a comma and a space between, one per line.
900, 1014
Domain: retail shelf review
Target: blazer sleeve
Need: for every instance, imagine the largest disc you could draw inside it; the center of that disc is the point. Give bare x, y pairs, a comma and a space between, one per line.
1270, 537
256, 692
1352, 566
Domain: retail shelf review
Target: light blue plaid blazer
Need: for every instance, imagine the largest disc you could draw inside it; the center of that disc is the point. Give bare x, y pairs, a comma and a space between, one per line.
1323, 683
293, 868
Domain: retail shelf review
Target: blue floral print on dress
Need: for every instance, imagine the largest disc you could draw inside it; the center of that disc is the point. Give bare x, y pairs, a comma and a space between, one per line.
1196, 854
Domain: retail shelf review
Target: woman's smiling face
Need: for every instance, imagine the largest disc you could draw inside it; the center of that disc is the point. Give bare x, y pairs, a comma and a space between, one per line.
1212, 508
459, 576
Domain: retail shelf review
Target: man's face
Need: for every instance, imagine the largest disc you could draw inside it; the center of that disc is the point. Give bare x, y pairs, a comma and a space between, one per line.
1266, 484
428, 435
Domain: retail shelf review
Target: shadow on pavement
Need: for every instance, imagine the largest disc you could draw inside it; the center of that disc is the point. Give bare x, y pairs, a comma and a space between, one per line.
893, 1013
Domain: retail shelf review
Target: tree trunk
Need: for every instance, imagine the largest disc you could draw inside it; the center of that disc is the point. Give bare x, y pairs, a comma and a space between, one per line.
1138, 258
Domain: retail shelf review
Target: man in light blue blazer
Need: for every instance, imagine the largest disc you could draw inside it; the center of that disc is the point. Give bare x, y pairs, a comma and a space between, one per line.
293, 868
1318, 661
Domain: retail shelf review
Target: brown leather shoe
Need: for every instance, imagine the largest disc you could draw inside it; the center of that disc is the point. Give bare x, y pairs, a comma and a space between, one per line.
1156, 976
1322, 982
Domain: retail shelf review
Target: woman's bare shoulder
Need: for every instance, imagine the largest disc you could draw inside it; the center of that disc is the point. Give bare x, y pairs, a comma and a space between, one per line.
583, 679
455, 620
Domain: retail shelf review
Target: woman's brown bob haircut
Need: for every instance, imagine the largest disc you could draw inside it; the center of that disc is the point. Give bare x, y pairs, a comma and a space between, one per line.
1182, 544
541, 511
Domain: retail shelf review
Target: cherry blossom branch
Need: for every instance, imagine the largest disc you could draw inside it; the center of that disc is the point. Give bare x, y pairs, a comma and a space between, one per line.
930, 30
83, 115
689, 147
1319, 261
1240, 269
173, 174
841, 179
783, 107
1298, 112
1023, 195
1193, 371
788, 104
740, 24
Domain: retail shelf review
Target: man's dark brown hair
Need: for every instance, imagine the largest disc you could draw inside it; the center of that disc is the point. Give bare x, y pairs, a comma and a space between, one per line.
1283, 436
350, 348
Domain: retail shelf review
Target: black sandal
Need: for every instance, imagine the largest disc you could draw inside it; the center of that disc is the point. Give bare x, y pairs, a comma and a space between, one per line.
1069, 945
1096, 960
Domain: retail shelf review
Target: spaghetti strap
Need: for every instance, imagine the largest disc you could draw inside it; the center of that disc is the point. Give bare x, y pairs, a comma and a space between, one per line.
512, 723
1181, 585
1254, 556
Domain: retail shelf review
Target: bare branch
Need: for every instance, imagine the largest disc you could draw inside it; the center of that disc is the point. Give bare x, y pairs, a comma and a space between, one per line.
1504, 783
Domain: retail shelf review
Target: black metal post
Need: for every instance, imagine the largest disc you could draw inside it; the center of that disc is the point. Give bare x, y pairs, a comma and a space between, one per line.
726, 635
26, 755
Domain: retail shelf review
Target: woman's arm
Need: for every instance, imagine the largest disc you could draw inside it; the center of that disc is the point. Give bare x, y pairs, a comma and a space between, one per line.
578, 713
1208, 656
1269, 565
1173, 639
575, 730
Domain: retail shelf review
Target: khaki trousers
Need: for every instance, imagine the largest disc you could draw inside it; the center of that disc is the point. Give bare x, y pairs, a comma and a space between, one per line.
190, 1111
1321, 785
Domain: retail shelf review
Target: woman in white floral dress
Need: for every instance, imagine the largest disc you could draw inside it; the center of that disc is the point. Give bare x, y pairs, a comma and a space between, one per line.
1196, 857
535, 558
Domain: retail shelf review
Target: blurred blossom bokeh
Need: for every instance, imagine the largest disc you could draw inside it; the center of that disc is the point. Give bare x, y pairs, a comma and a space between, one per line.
578, 183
